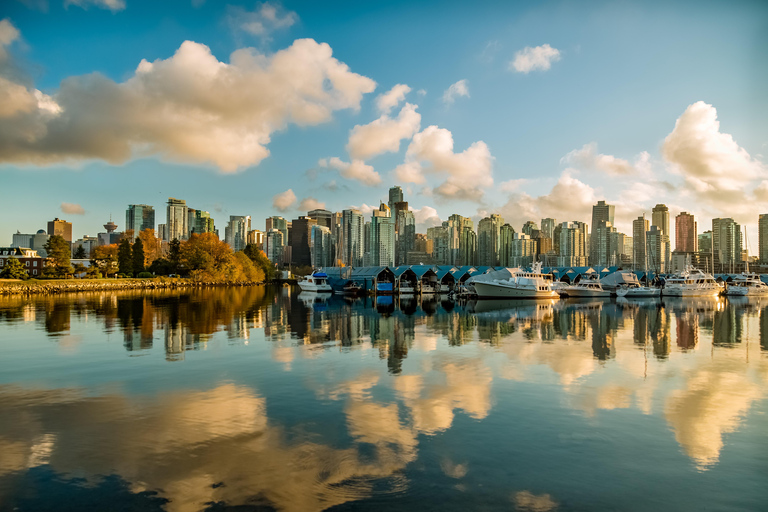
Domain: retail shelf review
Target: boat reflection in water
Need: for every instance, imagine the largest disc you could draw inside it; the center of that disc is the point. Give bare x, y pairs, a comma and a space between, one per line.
267, 399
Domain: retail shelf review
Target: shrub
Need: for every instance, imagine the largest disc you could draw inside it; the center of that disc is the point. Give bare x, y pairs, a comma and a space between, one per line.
144, 275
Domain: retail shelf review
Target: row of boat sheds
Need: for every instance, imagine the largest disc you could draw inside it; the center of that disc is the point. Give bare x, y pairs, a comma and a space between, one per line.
425, 279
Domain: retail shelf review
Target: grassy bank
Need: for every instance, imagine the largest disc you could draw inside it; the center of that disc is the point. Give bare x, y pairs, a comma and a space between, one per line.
54, 286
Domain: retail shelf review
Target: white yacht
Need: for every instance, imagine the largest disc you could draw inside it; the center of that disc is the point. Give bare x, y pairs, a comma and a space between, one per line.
586, 288
520, 284
637, 291
315, 282
692, 282
746, 285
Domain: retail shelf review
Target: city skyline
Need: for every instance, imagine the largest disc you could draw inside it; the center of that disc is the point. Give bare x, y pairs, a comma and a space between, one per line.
584, 125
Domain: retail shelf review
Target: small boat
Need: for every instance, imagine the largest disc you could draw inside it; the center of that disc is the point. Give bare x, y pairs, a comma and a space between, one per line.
692, 282
315, 282
746, 285
427, 289
586, 288
352, 289
406, 288
630, 292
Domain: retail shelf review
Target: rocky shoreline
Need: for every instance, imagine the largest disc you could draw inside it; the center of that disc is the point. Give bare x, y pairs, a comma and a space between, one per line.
76, 285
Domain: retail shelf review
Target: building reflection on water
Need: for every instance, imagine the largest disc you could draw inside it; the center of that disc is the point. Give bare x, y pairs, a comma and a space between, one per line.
694, 362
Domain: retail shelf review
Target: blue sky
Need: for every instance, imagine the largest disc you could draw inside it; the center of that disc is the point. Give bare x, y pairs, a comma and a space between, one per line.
594, 118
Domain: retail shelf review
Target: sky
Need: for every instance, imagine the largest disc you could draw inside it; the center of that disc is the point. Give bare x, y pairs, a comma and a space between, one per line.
528, 109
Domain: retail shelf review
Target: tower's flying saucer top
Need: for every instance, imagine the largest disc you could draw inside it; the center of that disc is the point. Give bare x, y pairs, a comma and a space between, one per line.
110, 226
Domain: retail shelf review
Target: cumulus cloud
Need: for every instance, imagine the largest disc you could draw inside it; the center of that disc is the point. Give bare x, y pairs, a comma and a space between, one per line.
717, 171
310, 203
409, 172
8, 34
387, 101
112, 5
588, 158
468, 172
384, 134
532, 58
262, 21
72, 209
190, 108
426, 217
284, 200
460, 88
356, 170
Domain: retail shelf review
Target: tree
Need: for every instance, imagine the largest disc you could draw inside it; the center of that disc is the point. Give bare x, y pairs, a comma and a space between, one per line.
80, 253
80, 269
58, 261
161, 267
259, 258
13, 269
124, 257
104, 258
138, 256
151, 246
174, 255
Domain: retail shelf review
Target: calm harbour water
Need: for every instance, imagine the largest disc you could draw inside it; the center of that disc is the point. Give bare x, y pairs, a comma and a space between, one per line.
262, 399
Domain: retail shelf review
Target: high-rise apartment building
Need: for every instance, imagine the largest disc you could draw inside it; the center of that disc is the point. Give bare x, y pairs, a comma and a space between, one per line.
353, 238
762, 238
322, 216
457, 231
573, 244
236, 231
321, 246
441, 243
660, 219
506, 235
600, 212
61, 228
177, 222
548, 227
604, 254
523, 250
139, 217
657, 244
300, 238
280, 224
382, 237
274, 245
395, 196
686, 239
200, 222
640, 227
529, 227
405, 224
488, 240
726, 244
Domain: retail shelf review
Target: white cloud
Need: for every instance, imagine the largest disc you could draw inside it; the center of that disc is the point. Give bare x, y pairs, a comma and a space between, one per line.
262, 21
310, 203
409, 172
188, 108
284, 200
356, 170
468, 172
384, 134
387, 101
588, 158
532, 58
460, 88
112, 5
72, 209
365, 209
8, 34
512, 185
717, 172
426, 217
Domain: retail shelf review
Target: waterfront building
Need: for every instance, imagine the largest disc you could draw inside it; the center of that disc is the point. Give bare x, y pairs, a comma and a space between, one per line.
177, 220
506, 234
603, 252
640, 227
236, 231
467, 245
353, 238
573, 244
321, 246
405, 224
657, 244
686, 239
601, 212
726, 244
548, 227
488, 240
61, 228
139, 217
280, 224
523, 250
762, 238
274, 245
29, 258
382, 237
620, 249
660, 219
440, 238
299, 240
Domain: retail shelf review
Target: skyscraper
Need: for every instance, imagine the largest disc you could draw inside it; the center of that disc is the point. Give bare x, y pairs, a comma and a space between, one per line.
177, 223
461, 244
301, 236
660, 219
321, 246
657, 245
640, 227
395, 196
529, 227
353, 242
61, 228
762, 238
506, 235
523, 250
686, 239
548, 227
323, 217
600, 212
572, 244
406, 233
236, 231
280, 224
604, 253
382, 237
726, 244
488, 239
274, 242
139, 217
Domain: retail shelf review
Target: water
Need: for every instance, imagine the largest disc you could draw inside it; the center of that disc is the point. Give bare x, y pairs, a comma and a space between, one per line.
261, 399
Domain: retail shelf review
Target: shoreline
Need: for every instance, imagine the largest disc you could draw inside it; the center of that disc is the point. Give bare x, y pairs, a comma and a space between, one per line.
53, 287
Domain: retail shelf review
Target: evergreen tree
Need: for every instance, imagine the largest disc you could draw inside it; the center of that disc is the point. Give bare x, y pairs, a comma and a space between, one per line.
58, 262
260, 259
80, 253
174, 255
124, 257
13, 269
138, 256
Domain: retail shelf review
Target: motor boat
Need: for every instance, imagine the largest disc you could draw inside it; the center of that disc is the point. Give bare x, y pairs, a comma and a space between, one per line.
586, 288
746, 285
315, 282
521, 284
692, 282
637, 291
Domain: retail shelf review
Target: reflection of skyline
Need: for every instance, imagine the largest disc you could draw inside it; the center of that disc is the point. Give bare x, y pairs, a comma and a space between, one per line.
605, 355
